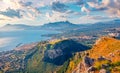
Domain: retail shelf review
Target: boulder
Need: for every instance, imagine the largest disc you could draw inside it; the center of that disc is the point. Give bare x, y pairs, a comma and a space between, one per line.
91, 69
103, 71
101, 58
88, 62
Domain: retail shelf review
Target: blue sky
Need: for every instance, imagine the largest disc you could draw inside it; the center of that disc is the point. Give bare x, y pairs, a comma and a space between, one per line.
38, 12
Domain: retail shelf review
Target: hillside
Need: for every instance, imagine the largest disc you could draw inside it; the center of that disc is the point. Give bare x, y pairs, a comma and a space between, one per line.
62, 26
59, 26
104, 57
41, 58
49, 58
95, 29
106, 47
13, 27
63, 56
62, 51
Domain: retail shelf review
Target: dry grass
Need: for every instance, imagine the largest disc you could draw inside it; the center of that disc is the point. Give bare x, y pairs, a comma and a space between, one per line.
107, 47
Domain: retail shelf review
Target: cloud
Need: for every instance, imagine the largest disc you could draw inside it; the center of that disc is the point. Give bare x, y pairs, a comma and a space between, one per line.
80, 2
83, 20
89, 19
26, 3
85, 9
13, 4
2, 19
59, 7
15, 8
56, 16
113, 6
110, 6
55, 10
11, 13
94, 5
98, 17
5, 41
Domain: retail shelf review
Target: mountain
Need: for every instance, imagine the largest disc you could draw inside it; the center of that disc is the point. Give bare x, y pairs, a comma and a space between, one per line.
52, 57
67, 27
66, 55
102, 58
106, 47
62, 26
41, 58
108, 24
9, 27
63, 56
59, 25
62, 51
95, 29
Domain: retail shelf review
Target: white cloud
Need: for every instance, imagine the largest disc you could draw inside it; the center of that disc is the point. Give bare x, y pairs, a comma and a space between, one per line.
30, 12
89, 19
5, 41
113, 6
13, 4
56, 16
84, 9
84, 20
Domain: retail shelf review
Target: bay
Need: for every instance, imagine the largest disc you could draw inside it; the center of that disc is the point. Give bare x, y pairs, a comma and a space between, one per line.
10, 39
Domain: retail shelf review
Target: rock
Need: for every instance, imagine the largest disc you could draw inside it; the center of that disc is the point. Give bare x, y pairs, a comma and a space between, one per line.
91, 69
103, 71
105, 66
101, 58
88, 62
111, 55
53, 53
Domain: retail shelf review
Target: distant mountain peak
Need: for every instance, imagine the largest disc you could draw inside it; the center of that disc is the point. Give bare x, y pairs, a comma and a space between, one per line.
117, 20
13, 27
8, 24
59, 25
60, 22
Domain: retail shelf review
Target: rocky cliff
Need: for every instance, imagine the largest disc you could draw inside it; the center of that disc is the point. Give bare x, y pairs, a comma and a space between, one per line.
104, 57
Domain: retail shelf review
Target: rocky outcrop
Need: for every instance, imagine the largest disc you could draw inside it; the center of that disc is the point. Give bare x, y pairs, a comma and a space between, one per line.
86, 66
62, 51
91, 69
102, 58
88, 62
104, 71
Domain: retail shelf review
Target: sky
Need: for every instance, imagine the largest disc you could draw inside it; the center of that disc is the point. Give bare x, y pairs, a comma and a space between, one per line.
39, 12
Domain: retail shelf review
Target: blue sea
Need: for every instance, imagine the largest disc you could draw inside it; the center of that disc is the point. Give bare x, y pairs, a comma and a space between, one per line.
10, 39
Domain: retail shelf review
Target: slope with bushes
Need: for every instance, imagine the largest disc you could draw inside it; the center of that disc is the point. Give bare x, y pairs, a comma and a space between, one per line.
52, 57
104, 57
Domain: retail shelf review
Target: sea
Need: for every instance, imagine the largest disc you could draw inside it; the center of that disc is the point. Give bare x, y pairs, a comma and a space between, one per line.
11, 39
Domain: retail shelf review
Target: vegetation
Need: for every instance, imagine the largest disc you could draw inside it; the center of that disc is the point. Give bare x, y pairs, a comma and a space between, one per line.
35, 63
105, 54
62, 56
69, 65
109, 48
99, 64
54, 41
106, 47
64, 67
